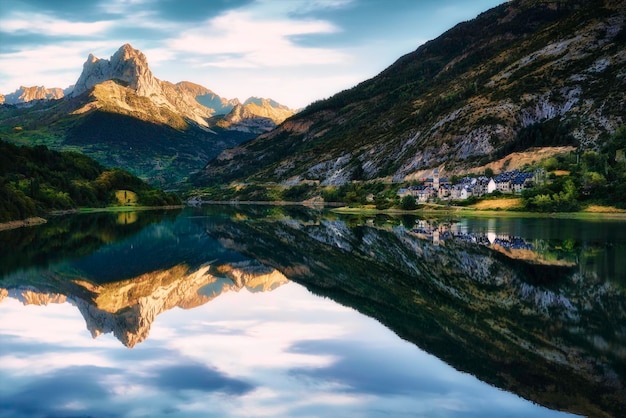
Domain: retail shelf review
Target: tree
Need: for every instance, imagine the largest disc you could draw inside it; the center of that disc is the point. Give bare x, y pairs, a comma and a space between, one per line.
408, 203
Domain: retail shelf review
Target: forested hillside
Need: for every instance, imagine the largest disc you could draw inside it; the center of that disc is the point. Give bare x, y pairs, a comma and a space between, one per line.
34, 180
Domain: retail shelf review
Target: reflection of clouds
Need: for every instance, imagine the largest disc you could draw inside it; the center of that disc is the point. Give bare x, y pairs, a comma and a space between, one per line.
198, 377
55, 324
354, 370
58, 393
282, 353
250, 344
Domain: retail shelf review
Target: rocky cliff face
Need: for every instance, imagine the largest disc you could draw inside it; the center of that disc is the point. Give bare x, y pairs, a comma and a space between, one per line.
475, 94
120, 114
30, 94
127, 74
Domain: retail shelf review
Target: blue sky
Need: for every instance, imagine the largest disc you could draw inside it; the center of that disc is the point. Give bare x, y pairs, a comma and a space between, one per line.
294, 51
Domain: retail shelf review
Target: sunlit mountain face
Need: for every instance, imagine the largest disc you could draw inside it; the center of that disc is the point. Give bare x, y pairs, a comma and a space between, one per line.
244, 310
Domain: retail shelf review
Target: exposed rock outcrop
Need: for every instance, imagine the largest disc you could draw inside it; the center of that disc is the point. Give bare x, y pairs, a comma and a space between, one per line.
128, 75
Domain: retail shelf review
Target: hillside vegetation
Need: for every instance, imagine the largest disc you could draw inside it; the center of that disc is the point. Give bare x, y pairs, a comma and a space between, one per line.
524, 74
35, 180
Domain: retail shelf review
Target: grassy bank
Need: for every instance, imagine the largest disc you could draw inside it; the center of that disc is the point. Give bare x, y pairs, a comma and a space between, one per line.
463, 212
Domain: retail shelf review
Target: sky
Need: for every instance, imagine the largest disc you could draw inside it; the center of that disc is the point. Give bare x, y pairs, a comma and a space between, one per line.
294, 51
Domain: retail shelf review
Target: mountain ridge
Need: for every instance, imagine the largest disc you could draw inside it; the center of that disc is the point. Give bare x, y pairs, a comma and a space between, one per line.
464, 99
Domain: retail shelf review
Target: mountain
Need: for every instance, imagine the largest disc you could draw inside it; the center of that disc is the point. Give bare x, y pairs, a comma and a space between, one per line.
122, 271
124, 82
119, 113
29, 94
524, 74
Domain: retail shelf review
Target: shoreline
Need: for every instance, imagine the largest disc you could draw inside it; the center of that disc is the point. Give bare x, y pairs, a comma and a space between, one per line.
32, 221
338, 208
38, 220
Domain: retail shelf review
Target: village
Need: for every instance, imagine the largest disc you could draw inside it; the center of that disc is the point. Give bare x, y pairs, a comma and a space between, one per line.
440, 188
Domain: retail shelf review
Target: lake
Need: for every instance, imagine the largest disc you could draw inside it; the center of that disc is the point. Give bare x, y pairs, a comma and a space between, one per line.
284, 311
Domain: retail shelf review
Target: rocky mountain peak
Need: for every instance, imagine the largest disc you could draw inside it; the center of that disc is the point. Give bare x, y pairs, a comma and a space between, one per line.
127, 66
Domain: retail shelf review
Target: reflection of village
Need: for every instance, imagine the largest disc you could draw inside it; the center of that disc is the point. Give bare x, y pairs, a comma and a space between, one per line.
509, 245
441, 188
440, 232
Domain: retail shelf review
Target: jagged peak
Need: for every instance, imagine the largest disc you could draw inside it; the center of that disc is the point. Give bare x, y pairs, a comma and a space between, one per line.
127, 64
26, 94
127, 52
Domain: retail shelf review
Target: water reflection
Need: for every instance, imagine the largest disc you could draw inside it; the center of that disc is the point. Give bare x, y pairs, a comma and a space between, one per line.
514, 302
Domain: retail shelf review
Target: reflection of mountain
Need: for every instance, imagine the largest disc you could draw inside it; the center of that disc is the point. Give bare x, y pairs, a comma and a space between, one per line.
128, 308
549, 333
121, 276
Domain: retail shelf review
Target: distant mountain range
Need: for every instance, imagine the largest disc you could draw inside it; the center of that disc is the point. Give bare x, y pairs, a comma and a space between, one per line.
120, 114
524, 74
30, 94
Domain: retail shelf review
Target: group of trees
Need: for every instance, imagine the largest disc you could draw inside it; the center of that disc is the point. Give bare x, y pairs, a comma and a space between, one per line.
36, 179
585, 178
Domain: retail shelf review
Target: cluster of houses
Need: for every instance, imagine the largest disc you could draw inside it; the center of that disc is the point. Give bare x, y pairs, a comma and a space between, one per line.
440, 188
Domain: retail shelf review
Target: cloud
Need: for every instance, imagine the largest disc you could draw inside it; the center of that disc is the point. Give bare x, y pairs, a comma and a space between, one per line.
354, 371
67, 391
53, 65
19, 22
239, 39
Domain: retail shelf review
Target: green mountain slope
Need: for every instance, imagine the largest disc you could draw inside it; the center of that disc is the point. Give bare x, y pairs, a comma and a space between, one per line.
35, 180
151, 142
526, 73
121, 115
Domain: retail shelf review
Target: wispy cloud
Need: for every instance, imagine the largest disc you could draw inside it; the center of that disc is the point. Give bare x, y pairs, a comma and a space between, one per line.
239, 39
47, 25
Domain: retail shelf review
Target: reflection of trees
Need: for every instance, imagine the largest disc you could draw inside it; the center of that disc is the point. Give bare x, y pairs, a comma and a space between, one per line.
70, 236
513, 324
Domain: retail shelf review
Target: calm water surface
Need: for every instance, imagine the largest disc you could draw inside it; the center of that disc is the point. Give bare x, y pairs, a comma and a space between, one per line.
287, 312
